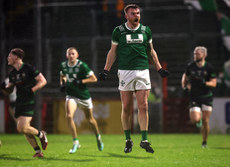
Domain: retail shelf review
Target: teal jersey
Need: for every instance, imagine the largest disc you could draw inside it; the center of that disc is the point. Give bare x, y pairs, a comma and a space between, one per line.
78, 71
132, 47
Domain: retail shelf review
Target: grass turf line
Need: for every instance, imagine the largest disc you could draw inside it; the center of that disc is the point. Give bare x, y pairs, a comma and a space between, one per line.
170, 150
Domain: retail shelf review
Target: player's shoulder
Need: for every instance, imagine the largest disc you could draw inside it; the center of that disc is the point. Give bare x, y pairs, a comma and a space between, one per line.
27, 66
191, 65
209, 65
64, 64
120, 28
145, 28
81, 63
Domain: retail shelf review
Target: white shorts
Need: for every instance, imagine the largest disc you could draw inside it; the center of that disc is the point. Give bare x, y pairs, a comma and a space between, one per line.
202, 108
131, 80
82, 103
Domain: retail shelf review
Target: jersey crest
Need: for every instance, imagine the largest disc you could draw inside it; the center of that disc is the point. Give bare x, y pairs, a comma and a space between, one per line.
121, 28
143, 28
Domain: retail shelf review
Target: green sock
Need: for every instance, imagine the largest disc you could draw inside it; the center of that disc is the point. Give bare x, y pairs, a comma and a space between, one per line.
127, 134
144, 134
75, 139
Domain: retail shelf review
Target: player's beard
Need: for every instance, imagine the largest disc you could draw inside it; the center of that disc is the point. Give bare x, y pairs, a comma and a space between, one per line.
198, 60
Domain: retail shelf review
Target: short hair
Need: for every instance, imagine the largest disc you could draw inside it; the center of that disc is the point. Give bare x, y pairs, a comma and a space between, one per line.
202, 49
18, 52
71, 48
134, 6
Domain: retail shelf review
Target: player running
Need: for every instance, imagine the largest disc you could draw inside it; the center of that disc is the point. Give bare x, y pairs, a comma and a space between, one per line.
74, 76
27, 81
199, 78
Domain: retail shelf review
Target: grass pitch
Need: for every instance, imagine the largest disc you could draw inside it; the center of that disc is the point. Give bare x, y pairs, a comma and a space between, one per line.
170, 150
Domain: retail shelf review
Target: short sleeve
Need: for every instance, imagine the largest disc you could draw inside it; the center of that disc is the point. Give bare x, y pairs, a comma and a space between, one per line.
115, 36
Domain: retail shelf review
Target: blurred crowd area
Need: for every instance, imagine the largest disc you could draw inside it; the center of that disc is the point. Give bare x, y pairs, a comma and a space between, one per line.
45, 28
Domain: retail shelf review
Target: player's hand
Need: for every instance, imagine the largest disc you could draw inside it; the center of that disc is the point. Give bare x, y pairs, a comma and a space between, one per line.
163, 73
103, 75
77, 82
3, 85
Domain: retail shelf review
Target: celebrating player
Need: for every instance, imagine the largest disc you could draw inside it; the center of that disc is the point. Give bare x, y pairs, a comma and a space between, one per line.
27, 81
199, 78
74, 76
132, 44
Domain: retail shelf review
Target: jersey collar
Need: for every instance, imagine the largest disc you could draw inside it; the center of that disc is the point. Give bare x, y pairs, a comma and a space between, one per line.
72, 65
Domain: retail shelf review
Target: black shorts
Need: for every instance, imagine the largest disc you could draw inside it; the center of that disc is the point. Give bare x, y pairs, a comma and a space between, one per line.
197, 102
24, 110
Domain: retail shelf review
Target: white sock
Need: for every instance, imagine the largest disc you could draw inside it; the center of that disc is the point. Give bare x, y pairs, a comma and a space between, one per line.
41, 135
76, 142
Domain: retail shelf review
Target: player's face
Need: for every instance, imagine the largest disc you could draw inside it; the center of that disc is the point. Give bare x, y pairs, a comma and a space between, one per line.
72, 55
11, 59
133, 16
198, 55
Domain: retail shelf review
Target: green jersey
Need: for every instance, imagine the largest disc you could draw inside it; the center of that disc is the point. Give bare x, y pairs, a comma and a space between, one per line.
78, 71
132, 46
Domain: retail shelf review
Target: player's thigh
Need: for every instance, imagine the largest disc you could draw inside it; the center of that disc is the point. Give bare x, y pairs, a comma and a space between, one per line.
70, 106
195, 113
142, 97
206, 115
23, 121
88, 112
127, 99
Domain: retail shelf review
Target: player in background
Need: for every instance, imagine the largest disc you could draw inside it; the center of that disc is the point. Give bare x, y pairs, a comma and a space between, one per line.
27, 80
132, 45
199, 78
74, 77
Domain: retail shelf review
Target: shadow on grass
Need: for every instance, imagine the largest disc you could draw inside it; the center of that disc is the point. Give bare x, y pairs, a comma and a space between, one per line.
7, 157
127, 156
220, 148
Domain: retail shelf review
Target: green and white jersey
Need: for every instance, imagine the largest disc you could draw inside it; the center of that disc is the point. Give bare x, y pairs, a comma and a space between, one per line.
78, 71
132, 46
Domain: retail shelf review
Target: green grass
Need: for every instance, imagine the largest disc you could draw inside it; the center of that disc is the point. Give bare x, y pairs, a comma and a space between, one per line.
170, 150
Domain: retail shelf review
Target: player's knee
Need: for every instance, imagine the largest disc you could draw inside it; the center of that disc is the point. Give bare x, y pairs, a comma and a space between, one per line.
143, 109
91, 120
205, 121
194, 120
69, 116
21, 129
